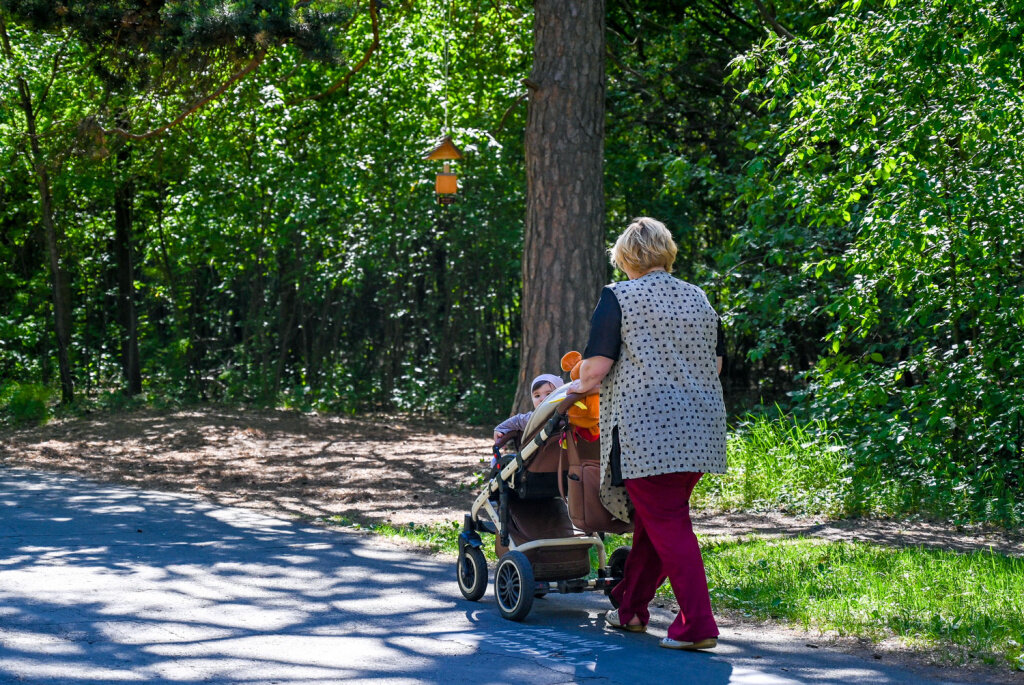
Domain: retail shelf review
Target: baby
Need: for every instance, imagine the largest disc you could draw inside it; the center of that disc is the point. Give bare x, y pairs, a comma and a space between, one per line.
542, 386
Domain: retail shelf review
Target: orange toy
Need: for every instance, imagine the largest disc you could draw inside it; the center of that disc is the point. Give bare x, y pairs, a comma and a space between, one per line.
584, 413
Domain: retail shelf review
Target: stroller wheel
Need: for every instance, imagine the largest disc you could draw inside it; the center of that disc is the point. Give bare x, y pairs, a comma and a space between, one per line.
616, 567
514, 586
472, 573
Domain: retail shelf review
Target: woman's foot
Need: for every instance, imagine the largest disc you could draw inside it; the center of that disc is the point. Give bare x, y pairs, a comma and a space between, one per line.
707, 643
634, 625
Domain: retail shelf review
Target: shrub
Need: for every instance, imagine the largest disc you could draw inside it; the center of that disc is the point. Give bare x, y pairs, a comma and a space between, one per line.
25, 402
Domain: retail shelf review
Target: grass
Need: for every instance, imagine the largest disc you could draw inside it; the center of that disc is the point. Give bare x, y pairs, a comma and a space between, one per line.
965, 604
961, 605
779, 465
440, 538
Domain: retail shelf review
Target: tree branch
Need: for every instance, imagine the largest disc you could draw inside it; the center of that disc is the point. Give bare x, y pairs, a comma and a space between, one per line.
501, 124
616, 28
778, 28
237, 76
343, 81
53, 73
641, 79
727, 11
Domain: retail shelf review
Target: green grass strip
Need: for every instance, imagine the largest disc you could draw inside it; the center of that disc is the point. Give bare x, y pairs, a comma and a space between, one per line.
971, 603
440, 538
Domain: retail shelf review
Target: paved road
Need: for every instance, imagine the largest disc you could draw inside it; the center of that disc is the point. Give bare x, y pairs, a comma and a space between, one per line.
107, 584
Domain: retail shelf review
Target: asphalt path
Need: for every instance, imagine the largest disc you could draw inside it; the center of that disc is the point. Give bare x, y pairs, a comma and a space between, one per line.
109, 584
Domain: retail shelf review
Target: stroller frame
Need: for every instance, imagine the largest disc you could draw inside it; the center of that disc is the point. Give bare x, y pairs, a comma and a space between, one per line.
514, 583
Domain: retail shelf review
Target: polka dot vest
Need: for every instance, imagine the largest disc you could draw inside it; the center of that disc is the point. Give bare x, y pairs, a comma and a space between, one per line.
662, 400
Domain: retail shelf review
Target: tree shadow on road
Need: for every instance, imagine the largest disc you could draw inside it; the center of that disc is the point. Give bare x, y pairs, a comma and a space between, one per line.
102, 583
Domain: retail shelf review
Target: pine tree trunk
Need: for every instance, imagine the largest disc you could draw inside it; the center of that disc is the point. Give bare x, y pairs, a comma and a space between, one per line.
563, 252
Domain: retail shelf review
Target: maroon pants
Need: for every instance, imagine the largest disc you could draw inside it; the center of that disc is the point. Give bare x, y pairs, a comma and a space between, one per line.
664, 545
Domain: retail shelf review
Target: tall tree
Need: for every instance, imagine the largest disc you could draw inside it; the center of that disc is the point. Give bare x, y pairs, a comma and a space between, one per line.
124, 200
30, 104
563, 248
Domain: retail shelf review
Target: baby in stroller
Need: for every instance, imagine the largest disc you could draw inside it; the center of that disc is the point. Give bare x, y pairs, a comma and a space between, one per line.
540, 388
541, 504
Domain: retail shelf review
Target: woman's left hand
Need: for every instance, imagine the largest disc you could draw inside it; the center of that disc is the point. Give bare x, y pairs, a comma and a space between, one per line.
592, 372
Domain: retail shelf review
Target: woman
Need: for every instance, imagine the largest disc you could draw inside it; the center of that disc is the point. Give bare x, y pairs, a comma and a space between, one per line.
652, 348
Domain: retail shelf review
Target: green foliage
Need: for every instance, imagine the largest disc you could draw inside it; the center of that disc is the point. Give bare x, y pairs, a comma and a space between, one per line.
849, 199
482, 404
805, 468
887, 182
962, 604
670, 148
677, 147
22, 403
288, 249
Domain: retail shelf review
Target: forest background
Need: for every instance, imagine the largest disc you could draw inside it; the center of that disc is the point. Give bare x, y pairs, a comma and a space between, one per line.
843, 179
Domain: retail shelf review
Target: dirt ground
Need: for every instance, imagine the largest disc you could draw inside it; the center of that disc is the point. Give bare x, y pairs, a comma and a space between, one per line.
367, 469
387, 469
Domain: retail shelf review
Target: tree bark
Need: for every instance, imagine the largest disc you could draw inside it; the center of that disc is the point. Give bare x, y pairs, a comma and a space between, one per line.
563, 249
124, 197
58, 280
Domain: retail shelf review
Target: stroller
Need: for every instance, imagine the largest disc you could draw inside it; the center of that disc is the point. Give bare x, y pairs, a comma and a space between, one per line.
541, 504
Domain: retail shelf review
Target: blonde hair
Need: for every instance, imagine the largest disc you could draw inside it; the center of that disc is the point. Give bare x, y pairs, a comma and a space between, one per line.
644, 245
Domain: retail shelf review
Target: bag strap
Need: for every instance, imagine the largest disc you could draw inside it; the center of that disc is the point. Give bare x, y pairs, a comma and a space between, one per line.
574, 453
561, 481
570, 454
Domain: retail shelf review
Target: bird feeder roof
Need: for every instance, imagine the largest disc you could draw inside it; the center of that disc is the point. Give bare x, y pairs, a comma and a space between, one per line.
445, 149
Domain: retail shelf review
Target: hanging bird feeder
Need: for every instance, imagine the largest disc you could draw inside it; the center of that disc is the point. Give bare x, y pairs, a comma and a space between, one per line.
447, 183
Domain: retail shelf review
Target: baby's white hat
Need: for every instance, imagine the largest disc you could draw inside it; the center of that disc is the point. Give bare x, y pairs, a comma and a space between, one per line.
546, 378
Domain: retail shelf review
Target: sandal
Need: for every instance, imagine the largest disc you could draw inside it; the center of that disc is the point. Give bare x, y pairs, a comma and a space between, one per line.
612, 619
706, 643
